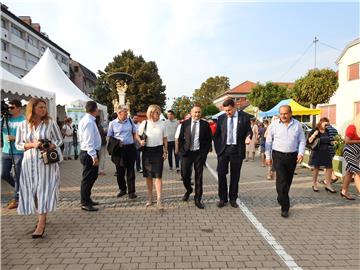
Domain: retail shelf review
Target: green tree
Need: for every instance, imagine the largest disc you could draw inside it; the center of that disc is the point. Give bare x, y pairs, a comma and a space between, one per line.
316, 87
103, 92
267, 96
210, 110
146, 88
209, 89
182, 106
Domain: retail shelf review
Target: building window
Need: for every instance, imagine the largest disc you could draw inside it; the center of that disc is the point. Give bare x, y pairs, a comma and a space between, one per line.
16, 31
30, 40
64, 60
3, 46
356, 108
76, 69
353, 72
329, 112
3, 23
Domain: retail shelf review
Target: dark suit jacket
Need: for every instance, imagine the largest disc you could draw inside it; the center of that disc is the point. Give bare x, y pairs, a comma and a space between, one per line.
205, 137
243, 130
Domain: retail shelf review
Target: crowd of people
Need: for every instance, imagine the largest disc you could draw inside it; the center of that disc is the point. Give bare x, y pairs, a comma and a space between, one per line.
30, 140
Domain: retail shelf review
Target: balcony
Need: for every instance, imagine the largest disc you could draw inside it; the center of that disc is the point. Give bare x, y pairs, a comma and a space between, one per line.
18, 42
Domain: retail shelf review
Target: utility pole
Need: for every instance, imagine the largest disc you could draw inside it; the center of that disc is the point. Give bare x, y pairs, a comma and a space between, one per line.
315, 41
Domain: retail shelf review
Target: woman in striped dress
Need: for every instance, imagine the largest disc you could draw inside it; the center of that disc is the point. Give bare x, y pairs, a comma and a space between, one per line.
39, 182
352, 157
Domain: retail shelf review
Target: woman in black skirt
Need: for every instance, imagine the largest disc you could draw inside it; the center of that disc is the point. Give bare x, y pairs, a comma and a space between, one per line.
154, 153
320, 156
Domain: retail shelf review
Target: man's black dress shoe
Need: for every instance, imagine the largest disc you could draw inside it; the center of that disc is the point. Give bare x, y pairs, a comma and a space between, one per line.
234, 204
221, 204
199, 204
285, 214
94, 203
89, 208
132, 196
121, 193
186, 196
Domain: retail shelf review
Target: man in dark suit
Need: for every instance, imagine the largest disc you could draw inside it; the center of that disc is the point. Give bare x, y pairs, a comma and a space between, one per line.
233, 129
194, 144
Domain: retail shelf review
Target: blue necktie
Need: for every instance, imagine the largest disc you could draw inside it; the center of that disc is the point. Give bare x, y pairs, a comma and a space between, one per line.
231, 131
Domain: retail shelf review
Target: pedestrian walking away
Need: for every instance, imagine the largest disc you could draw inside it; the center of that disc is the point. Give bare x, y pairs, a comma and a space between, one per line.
102, 152
286, 141
233, 131
90, 144
194, 145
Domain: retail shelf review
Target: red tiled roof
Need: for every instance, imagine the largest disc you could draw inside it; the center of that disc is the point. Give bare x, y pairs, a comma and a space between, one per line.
242, 88
245, 88
287, 84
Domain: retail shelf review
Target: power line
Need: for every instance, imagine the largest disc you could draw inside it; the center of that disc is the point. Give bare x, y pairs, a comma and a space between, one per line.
322, 43
293, 65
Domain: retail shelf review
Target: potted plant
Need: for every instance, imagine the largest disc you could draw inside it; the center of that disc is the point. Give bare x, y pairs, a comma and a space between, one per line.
338, 160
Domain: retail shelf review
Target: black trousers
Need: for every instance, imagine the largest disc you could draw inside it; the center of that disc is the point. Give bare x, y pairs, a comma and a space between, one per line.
171, 150
285, 165
198, 160
89, 176
231, 157
127, 166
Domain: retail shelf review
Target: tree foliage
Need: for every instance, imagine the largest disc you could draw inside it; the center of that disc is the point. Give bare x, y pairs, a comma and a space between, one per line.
267, 96
209, 89
210, 110
182, 106
147, 87
316, 87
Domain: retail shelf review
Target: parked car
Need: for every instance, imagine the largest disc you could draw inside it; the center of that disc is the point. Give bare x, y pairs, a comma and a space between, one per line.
307, 128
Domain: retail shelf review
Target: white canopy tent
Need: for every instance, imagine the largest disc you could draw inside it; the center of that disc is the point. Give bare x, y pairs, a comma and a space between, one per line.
14, 88
47, 74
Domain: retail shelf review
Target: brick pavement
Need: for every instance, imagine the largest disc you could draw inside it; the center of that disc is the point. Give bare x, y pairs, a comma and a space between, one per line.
321, 233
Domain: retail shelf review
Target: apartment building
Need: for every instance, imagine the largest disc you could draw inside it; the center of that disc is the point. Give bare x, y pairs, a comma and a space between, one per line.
23, 44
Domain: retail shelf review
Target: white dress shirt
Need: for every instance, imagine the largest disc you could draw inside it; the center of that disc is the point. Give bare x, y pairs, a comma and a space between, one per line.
285, 139
197, 132
89, 136
235, 122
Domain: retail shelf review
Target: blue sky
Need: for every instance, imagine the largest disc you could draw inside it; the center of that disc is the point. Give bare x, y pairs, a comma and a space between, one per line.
193, 40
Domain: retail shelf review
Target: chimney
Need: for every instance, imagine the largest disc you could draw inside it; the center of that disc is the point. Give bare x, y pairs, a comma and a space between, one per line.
36, 26
25, 19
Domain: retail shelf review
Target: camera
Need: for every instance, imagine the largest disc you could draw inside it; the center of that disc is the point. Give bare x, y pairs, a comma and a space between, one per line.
45, 143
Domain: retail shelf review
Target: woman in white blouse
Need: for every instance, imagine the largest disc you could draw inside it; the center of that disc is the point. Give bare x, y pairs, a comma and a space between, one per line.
68, 133
154, 153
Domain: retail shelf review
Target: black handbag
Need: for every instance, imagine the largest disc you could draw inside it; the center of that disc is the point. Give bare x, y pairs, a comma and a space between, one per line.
315, 144
143, 137
50, 156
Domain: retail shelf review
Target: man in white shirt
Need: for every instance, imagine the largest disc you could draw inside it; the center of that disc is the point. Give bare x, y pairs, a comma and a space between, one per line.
90, 144
171, 125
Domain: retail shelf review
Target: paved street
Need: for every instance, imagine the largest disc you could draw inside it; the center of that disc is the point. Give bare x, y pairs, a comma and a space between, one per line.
322, 231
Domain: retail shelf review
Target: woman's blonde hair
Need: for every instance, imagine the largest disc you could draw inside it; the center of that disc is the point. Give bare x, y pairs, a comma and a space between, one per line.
30, 111
152, 108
